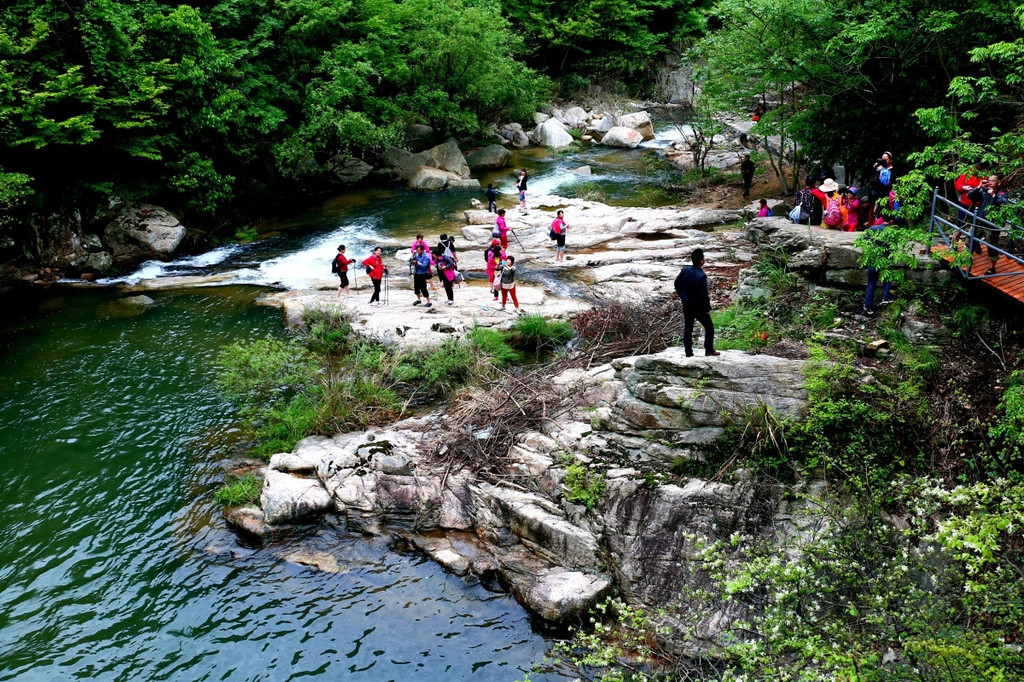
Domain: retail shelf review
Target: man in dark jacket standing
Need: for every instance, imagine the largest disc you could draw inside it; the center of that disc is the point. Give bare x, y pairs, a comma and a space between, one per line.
692, 287
747, 171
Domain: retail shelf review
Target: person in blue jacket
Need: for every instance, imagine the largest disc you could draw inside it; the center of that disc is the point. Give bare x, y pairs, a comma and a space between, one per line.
692, 288
420, 272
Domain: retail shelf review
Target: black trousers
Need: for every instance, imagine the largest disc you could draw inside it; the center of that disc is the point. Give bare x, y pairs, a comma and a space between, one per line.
747, 179
448, 287
419, 286
376, 290
704, 318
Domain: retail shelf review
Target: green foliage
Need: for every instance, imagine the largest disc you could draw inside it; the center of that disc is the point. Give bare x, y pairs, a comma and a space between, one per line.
1008, 432
538, 334
583, 486
327, 330
265, 369
492, 344
740, 327
240, 491
438, 372
246, 234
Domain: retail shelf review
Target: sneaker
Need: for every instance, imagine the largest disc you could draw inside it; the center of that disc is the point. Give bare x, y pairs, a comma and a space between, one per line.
503, 307
450, 302
416, 302
427, 304
887, 301
867, 311
714, 352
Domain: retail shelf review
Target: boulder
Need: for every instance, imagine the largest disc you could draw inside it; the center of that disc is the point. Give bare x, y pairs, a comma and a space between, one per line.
248, 520
428, 179
620, 136
492, 157
139, 231
575, 117
603, 124
640, 122
582, 170
551, 133
539, 117
559, 594
287, 498
445, 157
349, 169
520, 139
448, 157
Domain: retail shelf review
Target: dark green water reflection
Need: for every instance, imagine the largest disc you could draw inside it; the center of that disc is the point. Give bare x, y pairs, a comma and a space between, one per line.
113, 562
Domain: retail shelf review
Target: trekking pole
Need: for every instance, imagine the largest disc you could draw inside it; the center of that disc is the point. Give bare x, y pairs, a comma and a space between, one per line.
520, 243
387, 288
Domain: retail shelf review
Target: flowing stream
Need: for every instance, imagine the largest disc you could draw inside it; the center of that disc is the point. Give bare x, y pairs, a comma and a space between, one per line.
114, 561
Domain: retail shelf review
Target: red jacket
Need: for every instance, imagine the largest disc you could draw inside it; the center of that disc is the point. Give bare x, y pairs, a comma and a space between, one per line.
343, 262
376, 265
964, 184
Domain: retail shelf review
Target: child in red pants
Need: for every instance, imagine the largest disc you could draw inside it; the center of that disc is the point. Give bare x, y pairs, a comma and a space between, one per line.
508, 282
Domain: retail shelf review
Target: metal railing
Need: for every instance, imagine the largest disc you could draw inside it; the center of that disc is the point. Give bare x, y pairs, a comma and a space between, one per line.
974, 232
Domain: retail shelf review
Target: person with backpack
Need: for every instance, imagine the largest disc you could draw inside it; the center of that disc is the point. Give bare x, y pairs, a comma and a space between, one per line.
508, 283
764, 211
692, 288
421, 267
447, 246
832, 204
557, 232
495, 259
376, 269
984, 197
802, 203
500, 230
339, 266
445, 272
492, 198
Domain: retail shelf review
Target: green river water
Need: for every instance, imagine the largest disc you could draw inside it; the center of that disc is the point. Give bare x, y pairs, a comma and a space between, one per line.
114, 561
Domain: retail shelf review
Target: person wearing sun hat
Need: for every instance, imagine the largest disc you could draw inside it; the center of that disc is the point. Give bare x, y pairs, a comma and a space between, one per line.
831, 203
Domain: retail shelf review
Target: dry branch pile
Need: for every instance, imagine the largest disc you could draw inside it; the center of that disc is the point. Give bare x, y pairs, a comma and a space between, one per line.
483, 422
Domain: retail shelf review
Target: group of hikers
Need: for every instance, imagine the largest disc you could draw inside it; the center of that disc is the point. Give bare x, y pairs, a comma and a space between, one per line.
851, 209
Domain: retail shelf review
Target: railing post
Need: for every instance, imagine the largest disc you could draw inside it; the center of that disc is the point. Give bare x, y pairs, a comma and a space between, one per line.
931, 223
970, 242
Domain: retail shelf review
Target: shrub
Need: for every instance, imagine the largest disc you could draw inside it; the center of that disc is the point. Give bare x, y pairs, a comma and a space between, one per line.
1008, 431
537, 334
239, 491
438, 372
492, 344
326, 329
584, 487
265, 369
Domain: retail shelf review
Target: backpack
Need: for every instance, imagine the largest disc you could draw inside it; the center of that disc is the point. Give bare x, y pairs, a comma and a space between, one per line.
495, 232
334, 265
833, 216
805, 197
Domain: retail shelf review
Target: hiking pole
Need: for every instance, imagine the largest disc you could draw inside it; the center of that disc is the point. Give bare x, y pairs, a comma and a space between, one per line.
387, 288
520, 243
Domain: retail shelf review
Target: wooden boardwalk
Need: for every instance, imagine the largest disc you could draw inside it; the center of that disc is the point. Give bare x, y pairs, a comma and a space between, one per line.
1009, 277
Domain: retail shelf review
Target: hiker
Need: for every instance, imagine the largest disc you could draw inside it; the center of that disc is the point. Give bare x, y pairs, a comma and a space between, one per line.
508, 283
557, 232
985, 196
340, 266
492, 198
963, 186
881, 183
692, 287
832, 204
447, 245
500, 230
420, 241
376, 269
851, 210
747, 171
445, 272
764, 211
521, 186
495, 258
876, 233
421, 267
802, 203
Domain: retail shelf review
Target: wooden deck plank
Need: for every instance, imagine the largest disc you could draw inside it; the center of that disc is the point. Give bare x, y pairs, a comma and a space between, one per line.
1011, 284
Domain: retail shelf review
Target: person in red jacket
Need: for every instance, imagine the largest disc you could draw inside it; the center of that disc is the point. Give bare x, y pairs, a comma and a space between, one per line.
376, 270
342, 262
963, 185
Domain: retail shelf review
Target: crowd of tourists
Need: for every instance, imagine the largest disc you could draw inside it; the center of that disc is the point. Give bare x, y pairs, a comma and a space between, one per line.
823, 202
441, 261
